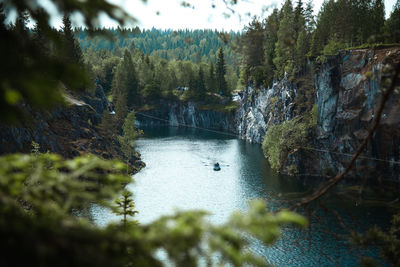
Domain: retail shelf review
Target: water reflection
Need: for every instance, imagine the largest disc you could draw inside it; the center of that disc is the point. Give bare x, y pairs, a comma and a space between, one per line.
180, 175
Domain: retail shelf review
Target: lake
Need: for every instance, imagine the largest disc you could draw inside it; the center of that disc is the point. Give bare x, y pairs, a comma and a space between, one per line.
179, 176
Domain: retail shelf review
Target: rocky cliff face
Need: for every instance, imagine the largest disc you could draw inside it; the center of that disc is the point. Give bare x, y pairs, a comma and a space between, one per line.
347, 90
190, 114
67, 130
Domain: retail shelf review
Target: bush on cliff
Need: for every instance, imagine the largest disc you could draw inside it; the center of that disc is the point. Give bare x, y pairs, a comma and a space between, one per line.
284, 138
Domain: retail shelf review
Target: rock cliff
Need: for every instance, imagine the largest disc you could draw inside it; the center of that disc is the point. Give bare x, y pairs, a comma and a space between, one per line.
185, 114
347, 90
69, 130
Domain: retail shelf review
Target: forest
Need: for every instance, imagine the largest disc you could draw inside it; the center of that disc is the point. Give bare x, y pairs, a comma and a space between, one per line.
292, 35
44, 197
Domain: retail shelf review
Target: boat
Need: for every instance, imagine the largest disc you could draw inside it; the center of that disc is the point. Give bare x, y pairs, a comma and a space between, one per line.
217, 167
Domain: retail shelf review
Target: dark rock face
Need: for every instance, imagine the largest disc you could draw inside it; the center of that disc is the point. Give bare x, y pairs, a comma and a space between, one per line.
190, 115
348, 92
69, 130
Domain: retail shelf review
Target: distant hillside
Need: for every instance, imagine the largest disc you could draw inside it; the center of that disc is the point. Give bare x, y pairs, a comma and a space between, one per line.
193, 45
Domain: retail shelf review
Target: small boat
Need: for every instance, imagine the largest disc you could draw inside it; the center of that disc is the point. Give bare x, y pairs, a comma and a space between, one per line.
217, 167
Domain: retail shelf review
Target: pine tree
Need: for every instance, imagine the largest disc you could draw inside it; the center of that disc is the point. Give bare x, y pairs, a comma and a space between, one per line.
299, 20
72, 49
198, 89
127, 139
392, 25
309, 18
285, 46
211, 80
121, 109
377, 21
108, 125
302, 47
253, 41
220, 72
125, 80
125, 207
270, 39
21, 23
323, 30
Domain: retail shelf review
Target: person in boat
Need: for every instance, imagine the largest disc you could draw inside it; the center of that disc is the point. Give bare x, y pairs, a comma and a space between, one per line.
216, 166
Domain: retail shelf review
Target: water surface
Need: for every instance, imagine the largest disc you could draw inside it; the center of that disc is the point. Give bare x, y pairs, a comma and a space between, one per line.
179, 175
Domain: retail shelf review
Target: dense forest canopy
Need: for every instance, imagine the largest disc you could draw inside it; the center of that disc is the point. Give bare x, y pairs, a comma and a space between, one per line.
189, 45
281, 44
162, 63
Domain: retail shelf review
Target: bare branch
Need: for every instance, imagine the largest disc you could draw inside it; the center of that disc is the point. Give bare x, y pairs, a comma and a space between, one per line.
339, 177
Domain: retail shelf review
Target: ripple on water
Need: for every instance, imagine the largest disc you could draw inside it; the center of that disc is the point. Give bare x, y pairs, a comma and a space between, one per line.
179, 175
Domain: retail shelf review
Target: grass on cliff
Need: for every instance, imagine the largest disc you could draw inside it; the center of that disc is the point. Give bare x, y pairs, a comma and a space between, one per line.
217, 107
284, 138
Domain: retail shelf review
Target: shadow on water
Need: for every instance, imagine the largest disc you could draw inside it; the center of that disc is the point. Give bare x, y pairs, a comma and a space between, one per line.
179, 175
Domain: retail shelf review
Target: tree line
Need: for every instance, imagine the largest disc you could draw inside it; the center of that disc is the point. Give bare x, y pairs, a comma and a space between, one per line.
185, 45
144, 79
281, 44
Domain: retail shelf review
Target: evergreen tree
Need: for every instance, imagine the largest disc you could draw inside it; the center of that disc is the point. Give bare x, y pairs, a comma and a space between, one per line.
392, 25
299, 20
125, 79
322, 32
302, 47
211, 80
220, 72
108, 125
39, 37
199, 89
253, 40
270, 39
378, 21
72, 49
309, 18
21, 23
121, 110
125, 207
285, 46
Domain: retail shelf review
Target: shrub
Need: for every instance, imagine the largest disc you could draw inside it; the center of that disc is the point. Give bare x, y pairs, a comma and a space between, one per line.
283, 138
39, 225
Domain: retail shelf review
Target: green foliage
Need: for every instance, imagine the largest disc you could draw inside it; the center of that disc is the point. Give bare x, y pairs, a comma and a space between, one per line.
253, 59
289, 35
387, 242
45, 200
271, 37
38, 209
34, 65
282, 139
286, 43
333, 46
125, 207
220, 71
56, 186
125, 81
121, 110
72, 49
172, 45
151, 91
127, 140
35, 148
225, 108
108, 125
392, 25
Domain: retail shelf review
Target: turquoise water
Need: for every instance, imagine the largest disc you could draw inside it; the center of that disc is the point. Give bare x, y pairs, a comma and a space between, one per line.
179, 176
